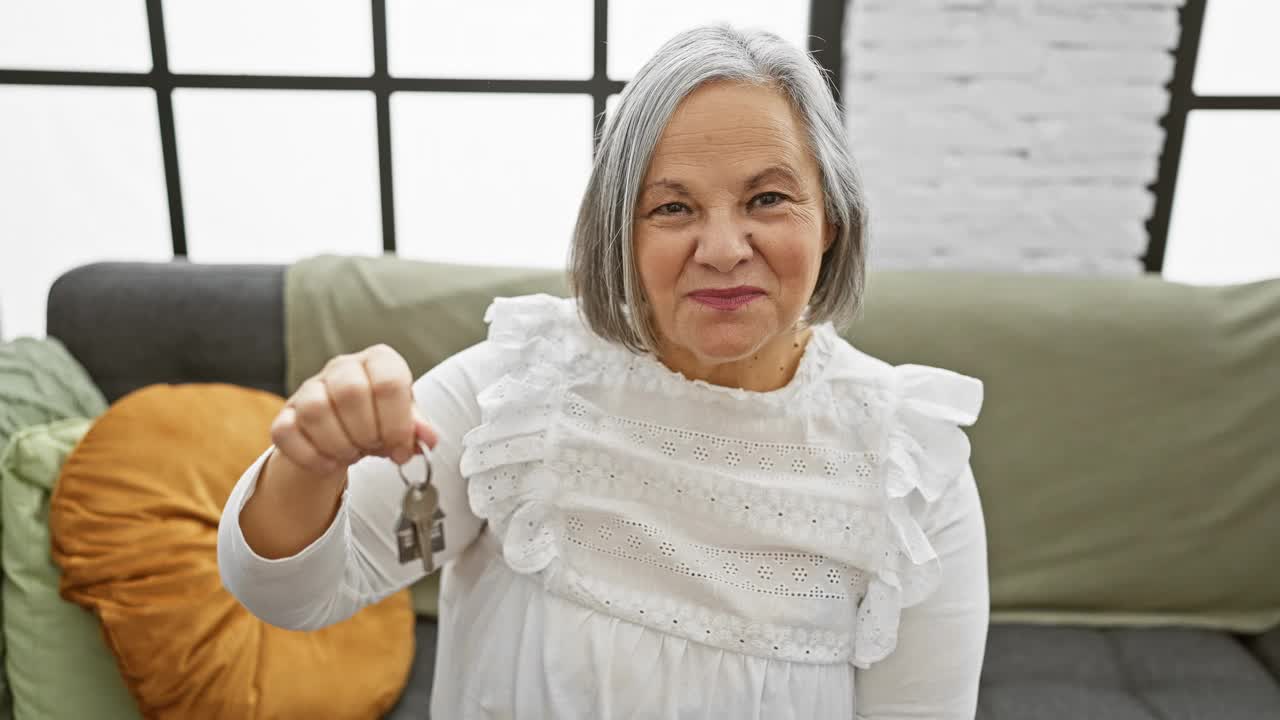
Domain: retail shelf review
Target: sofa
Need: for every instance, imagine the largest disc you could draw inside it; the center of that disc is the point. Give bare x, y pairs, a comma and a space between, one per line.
1128, 582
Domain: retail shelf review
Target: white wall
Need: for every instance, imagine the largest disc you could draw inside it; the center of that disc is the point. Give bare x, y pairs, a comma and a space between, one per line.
1012, 135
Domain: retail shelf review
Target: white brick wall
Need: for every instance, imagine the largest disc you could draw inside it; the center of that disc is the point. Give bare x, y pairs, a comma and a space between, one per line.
1009, 134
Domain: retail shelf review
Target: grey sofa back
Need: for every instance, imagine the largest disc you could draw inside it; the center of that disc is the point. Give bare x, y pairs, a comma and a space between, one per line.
132, 324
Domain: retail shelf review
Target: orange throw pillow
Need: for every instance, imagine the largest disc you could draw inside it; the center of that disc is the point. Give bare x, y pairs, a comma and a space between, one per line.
134, 521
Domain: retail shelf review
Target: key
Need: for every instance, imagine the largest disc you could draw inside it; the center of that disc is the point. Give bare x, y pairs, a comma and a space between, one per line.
425, 506
437, 531
416, 530
408, 543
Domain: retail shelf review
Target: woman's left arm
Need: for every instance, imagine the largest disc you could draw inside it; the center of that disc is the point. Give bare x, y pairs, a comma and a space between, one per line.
934, 671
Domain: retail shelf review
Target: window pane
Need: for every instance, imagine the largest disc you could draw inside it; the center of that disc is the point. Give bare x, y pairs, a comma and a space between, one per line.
496, 39
472, 186
637, 28
82, 180
1224, 228
282, 37
108, 35
1239, 54
275, 175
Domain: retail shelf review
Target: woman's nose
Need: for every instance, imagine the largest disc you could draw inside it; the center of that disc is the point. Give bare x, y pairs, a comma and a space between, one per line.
723, 243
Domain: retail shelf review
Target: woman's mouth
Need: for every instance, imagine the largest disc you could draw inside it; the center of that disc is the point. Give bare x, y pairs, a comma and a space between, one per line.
727, 298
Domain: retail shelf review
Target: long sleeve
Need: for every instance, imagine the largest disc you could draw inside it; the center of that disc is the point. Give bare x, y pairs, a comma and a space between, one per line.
354, 563
933, 673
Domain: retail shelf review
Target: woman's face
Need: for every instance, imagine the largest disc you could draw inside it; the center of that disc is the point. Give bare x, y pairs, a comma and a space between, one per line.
729, 228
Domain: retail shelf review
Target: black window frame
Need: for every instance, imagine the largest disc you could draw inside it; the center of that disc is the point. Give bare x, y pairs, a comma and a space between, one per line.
1182, 100
826, 23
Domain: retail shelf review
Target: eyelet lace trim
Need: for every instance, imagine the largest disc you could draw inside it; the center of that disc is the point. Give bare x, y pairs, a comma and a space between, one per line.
699, 623
529, 409
532, 469
787, 574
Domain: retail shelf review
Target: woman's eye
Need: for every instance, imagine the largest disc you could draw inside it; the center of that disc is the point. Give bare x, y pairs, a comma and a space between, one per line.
767, 199
672, 208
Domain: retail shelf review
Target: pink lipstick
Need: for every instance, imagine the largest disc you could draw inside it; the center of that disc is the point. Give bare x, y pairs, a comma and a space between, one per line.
727, 298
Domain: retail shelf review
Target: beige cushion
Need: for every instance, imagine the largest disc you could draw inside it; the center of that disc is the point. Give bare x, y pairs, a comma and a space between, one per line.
1128, 452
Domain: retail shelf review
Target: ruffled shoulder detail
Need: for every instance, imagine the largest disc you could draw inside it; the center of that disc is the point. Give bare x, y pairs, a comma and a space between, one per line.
543, 334
542, 342
927, 452
515, 321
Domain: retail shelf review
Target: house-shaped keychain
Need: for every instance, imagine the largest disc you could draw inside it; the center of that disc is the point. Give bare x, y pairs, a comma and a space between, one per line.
437, 531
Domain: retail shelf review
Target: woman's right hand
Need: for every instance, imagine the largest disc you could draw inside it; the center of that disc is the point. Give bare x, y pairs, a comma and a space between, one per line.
359, 404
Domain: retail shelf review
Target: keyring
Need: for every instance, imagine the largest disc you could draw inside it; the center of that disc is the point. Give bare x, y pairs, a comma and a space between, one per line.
426, 456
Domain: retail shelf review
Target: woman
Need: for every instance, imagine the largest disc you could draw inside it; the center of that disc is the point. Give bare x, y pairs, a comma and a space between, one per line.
680, 493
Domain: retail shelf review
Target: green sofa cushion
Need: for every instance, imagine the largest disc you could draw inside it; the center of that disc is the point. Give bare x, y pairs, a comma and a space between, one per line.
1127, 452
58, 663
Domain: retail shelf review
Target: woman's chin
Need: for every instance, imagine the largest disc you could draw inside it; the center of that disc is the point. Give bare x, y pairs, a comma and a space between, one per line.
717, 337
726, 344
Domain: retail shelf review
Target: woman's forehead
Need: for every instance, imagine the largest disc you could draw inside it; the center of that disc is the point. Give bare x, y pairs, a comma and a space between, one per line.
736, 123
728, 113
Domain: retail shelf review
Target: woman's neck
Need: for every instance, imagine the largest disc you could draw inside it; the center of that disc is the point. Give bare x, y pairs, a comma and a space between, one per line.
769, 368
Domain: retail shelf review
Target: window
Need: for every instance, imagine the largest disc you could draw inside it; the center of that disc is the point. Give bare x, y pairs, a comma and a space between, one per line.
1218, 180
236, 132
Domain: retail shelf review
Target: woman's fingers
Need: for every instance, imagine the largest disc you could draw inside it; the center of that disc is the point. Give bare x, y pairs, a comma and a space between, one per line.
391, 392
359, 404
319, 423
289, 439
423, 429
352, 401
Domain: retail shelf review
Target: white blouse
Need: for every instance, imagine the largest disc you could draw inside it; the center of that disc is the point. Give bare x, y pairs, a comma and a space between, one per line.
625, 542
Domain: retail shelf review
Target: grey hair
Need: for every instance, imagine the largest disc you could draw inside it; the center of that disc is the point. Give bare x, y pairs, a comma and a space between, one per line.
602, 271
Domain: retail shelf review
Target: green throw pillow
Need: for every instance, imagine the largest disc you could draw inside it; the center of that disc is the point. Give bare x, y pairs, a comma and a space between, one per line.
58, 663
40, 382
